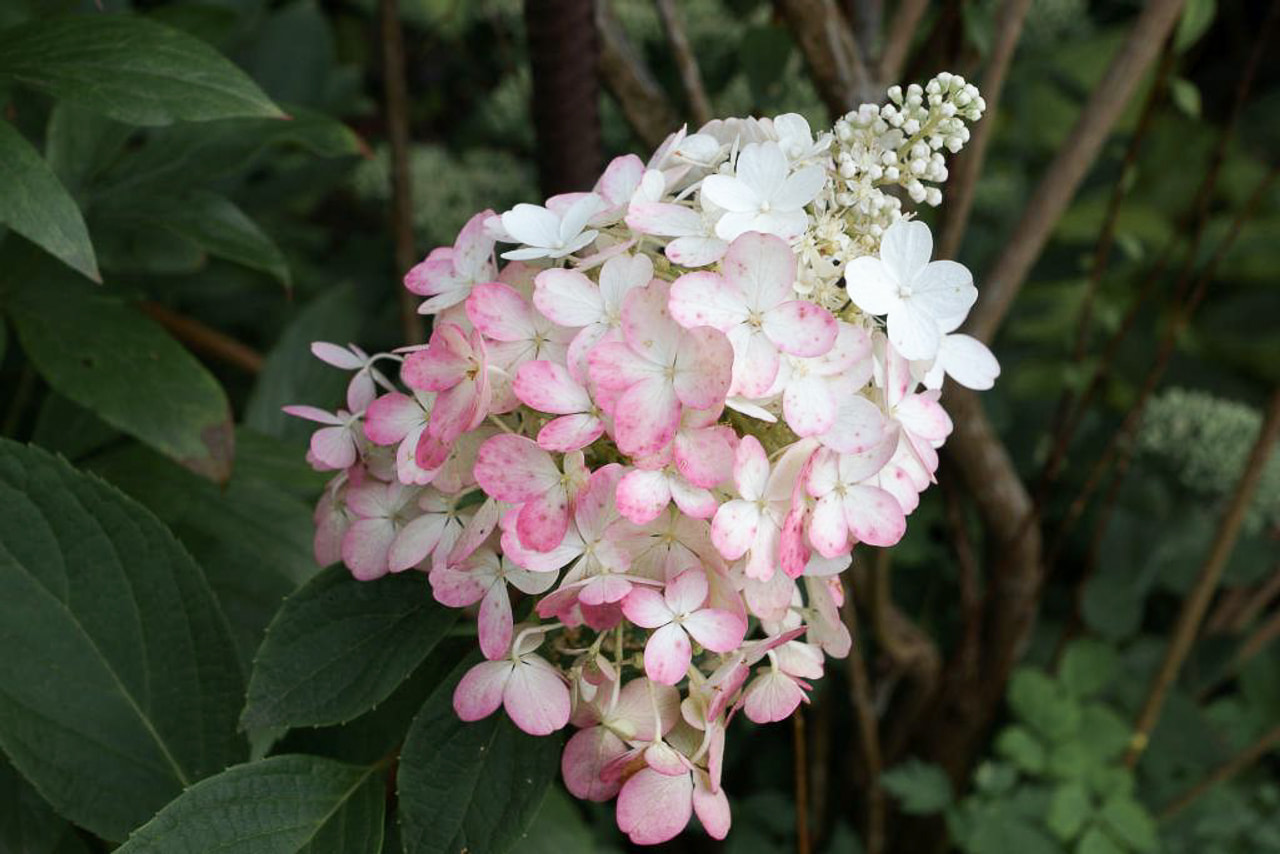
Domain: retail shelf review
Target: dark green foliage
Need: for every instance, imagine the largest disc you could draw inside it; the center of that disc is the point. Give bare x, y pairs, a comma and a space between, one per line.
470, 786
120, 674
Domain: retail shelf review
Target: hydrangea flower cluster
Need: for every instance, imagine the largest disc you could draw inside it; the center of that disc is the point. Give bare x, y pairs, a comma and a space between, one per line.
650, 425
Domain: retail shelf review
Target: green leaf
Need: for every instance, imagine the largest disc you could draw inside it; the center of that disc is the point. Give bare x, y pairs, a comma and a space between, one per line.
558, 829
292, 375
1068, 811
28, 825
999, 829
210, 221
1186, 96
920, 787
1131, 822
1197, 15
1096, 841
1019, 746
281, 805
1088, 666
252, 539
131, 69
474, 786
1113, 605
119, 364
1105, 734
1044, 704
36, 205
340, 646
119, 685
80, 143
183, 156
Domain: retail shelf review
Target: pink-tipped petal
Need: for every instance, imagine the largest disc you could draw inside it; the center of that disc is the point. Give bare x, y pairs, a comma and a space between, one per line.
646, 608
570, 432
479, 693
874, 516
772, 697
548, 387
653, 807
494, 623
647, 417
536, 698
642, 495
585, 755
801, 328
513, 468
706, 299
718, 631
711, 807
733, 529
667, 654
543, 520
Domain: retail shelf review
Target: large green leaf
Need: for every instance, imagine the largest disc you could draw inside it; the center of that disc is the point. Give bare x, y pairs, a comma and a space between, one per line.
208, 220
119, 684
28, 825
36, 205
281, 805
252, 538
340, 646
131, 69
184, 156
470, 787
111, 359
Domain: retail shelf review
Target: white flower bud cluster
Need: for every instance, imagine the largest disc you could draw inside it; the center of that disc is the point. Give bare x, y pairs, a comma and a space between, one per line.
876, 148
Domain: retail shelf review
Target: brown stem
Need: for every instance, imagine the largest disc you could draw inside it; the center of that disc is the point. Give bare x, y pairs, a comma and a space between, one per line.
902, 31
395, 91
868, 732
1106, 235
1194, 606
965, 659
968, 166
564, 52
835, 61
965, 707
205, 340
800, 745
1242, 760
644, 103
686, 62
1075, 157
1259, 640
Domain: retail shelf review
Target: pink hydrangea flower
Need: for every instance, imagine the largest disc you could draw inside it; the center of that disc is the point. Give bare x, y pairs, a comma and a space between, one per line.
532, 692
678, 614
448, 274
483, 578
753, 303
514, 469
456, 367
660, 368
847, 505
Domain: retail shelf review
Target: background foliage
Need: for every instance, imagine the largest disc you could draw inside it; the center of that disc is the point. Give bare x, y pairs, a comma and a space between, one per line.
192, 192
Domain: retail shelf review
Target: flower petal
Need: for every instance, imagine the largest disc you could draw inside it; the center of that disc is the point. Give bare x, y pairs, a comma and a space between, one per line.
801, 328
513, 468
718, 631
667, 654
479, 693
535, 697
653, 807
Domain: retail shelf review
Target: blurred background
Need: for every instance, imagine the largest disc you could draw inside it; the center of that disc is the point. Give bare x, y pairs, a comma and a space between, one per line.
991, 696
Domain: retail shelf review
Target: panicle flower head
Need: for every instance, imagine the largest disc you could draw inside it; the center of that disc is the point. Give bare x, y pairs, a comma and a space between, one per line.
665, 411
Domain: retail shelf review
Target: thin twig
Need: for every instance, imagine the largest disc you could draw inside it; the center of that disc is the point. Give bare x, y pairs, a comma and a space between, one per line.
396, 92
1242, 760
835, 60
902, 31
644, 103
868, 731
1258, 641
968, 165
1257, 601
205, 340
1197, 602
686, 62
1075, 157
800, 745
1107, 234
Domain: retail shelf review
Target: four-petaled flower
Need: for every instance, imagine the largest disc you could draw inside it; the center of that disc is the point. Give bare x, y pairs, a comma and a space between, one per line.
678, 613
